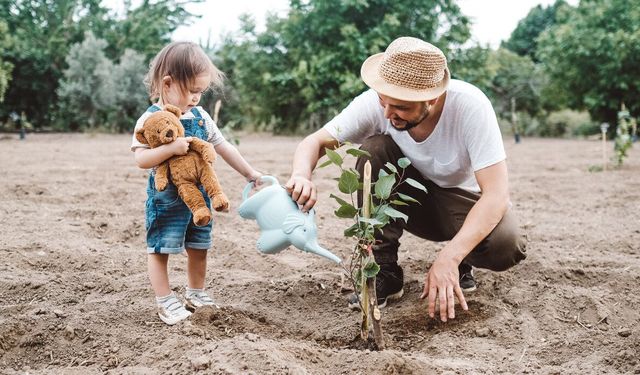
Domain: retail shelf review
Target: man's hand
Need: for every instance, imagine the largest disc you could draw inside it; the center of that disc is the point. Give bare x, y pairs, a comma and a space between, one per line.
442, 282
303, 191
181, 145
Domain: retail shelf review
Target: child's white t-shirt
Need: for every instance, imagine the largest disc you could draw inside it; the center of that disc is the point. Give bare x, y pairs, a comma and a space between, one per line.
466, 138
215, 136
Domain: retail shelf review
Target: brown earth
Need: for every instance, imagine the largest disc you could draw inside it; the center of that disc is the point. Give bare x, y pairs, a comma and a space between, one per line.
75, 298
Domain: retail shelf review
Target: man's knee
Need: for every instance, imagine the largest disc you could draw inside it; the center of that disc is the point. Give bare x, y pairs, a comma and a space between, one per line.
502, 249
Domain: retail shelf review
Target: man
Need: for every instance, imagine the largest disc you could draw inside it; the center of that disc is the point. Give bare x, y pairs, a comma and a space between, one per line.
449, 131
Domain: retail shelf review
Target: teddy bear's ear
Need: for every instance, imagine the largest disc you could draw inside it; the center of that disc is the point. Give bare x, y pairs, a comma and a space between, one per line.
173, 109
140, 136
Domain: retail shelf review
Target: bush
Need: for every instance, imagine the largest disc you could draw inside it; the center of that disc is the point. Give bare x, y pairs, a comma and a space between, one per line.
567, 123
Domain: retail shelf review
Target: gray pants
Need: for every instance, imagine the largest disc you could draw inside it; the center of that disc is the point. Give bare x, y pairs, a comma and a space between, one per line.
439, 216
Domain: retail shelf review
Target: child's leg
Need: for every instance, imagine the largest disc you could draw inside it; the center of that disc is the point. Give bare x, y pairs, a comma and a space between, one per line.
195, 295
158, 275
196, 268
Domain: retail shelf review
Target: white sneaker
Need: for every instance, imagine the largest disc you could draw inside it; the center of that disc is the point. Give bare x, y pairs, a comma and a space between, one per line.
195, 298
171, 310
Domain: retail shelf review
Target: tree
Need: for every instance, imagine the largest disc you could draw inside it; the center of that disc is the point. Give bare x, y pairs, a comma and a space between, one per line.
81, 91
592, 56
125, 87
523, 39
5, 67
305, 66
44, 30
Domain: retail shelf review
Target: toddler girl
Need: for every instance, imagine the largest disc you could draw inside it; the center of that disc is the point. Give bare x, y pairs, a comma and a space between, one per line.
179, 75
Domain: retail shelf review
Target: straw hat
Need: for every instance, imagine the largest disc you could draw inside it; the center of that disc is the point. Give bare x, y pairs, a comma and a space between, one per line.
410, 69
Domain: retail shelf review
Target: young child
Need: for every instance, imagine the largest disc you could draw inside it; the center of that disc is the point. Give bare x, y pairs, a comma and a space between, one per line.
178, 75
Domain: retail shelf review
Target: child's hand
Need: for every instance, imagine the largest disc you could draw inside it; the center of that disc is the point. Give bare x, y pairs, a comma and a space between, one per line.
181, 145
255, 178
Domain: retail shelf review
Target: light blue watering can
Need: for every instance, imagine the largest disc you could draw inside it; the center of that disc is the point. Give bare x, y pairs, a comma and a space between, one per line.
281, 221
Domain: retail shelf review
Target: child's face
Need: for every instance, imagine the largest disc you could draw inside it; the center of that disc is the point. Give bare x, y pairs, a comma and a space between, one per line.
185, 100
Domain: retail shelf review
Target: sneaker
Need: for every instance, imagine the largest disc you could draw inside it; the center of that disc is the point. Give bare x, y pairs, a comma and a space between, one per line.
195, 298
171, 310
467, 281
389, 283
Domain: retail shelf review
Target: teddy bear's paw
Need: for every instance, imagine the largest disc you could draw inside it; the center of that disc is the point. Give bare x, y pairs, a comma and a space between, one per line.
161, 184
220, 203
202, 216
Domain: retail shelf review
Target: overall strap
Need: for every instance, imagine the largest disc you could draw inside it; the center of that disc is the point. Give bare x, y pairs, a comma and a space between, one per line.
154, 108
195, 112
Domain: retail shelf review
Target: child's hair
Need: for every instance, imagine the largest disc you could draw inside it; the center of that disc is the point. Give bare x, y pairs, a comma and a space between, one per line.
183, 62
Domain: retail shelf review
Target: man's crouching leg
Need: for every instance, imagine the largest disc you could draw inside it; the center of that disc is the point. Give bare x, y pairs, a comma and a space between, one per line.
502, 249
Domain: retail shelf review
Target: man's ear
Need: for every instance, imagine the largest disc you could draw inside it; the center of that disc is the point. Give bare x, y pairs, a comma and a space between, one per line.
140, 137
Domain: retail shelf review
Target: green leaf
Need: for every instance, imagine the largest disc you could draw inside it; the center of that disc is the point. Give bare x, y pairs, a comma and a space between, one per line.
348, 182
396, 214
407, 198
391, 167
371, 220
403, 162
334, 157
340, 201
399, 203
325, 163
352, 231
416, 184
382, 173
358, 153
370, 269
346, 211
384, 185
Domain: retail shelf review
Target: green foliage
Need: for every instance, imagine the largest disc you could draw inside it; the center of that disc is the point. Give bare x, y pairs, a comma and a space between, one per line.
566, 123
523, 39
591, 55
382, 210
43, 32
95, 93
88, 71
623, 135
516, 79
5, 67
304, 67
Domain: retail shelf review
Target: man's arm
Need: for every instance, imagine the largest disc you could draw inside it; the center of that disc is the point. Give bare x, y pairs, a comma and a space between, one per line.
307, 154
442, 280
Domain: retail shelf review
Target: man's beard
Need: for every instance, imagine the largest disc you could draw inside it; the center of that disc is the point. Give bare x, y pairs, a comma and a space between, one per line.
412, 124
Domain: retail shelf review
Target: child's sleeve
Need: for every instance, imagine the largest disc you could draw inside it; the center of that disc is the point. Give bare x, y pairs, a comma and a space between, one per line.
134, 142
215, 135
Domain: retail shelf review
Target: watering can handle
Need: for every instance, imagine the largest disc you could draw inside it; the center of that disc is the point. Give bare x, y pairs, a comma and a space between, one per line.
250, 185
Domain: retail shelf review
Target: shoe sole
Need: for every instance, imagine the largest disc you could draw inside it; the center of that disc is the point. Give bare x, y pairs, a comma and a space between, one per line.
469, 290
172, 321
391, 297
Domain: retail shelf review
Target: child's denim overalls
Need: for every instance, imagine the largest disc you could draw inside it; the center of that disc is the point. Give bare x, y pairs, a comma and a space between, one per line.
168, 221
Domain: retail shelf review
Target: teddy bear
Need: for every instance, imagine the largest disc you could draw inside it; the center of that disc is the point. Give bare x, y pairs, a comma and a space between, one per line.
186, 171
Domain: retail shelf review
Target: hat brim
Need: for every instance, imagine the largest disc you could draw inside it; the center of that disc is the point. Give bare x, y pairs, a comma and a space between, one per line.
371, 77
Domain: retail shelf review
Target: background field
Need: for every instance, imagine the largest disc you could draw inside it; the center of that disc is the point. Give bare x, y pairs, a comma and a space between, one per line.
75, 299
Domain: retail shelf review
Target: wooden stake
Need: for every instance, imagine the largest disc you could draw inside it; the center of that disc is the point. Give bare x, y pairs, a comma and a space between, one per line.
364, 281
373, 315
216, 110
604, 127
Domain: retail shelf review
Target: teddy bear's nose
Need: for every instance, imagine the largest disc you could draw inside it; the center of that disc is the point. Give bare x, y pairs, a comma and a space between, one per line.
169, 133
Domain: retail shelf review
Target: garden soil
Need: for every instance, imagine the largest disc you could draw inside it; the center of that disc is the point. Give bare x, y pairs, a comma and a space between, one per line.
75, 297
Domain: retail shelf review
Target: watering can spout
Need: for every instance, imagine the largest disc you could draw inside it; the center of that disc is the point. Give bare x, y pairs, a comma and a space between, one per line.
313, 247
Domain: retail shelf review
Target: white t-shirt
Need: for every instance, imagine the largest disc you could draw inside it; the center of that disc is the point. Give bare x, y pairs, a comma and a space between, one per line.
215, 136
466, 138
